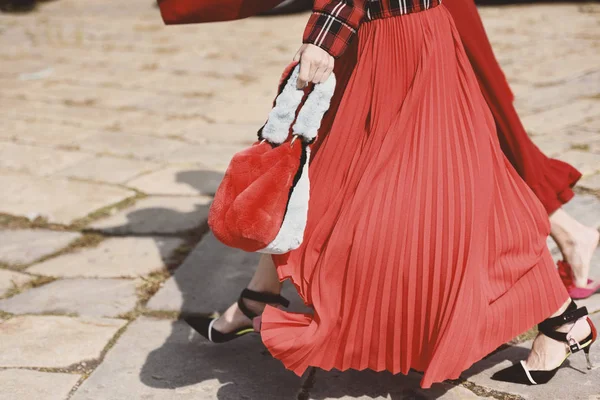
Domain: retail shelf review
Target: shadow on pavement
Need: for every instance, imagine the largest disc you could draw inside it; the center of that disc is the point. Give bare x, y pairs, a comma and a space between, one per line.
206, 182
243, 368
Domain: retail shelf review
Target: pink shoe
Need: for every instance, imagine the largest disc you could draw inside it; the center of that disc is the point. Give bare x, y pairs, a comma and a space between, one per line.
566, 274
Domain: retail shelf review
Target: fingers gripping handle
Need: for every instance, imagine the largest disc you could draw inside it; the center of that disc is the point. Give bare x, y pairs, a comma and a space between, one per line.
309, 118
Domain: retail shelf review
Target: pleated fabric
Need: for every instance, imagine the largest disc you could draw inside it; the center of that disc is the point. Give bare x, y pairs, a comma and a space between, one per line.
424, 249
550, 179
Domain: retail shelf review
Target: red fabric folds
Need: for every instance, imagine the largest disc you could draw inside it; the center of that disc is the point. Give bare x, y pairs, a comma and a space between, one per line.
550, 179
424, 249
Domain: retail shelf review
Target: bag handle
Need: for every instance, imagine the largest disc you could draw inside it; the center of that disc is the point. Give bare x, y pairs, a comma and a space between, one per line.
307, 124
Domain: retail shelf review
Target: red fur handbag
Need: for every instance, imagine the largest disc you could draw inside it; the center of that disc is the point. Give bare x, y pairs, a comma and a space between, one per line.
262, 202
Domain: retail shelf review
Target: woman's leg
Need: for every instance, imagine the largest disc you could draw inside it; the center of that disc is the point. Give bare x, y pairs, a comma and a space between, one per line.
265, 279
546, 353
576, 242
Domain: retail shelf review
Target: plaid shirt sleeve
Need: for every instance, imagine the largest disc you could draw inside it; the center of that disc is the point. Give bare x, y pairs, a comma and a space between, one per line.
333, 24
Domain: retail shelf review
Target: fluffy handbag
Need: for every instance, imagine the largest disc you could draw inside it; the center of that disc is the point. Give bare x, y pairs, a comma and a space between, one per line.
262, 203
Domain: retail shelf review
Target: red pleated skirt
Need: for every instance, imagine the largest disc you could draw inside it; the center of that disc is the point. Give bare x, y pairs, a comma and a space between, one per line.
424, 249
550, 179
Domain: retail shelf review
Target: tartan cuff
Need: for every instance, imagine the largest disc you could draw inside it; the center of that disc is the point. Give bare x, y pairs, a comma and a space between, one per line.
329, 33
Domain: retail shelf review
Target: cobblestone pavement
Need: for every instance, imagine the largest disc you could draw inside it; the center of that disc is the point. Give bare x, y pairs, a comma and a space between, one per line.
114, 134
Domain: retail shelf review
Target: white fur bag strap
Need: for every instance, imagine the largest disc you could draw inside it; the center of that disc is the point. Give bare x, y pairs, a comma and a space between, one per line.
309, 118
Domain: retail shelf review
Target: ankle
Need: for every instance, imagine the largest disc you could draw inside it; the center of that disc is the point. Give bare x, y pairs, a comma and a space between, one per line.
562, 309
565, 242
578, 328
255, 306
262, 287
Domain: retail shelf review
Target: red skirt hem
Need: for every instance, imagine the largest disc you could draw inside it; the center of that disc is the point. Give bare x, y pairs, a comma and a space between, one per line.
423, 248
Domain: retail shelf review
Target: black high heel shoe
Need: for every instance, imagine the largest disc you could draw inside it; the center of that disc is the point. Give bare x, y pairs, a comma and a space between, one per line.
204, 325
518, 373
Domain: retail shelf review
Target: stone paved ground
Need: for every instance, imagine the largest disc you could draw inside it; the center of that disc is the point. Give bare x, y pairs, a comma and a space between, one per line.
114, 134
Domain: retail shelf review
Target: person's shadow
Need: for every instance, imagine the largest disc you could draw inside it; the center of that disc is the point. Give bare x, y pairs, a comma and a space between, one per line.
209, 280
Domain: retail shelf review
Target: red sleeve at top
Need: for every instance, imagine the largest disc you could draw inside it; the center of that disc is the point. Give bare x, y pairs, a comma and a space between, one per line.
199, 11
333, 24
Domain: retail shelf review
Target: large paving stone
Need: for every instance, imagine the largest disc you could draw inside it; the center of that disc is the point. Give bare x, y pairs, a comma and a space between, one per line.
11, 279
587, 163
235, 110
555, 119
590, 182
592, 124
36, 160
215, 157
189, 181
161, 360
553, 71
572, 382
27, 245
157, 215
59, 200
592, 303
27, 131
128, 145
585, 209
241, 134
53, 341
23, 384
551, 145
581, 19
84, 297
113, 258
367, 385
542, 98
108, 169
581, 137
210, 279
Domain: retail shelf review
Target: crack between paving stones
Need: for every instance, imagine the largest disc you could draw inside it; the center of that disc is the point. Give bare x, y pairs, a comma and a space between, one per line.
96, 362
119, 109
485, 392
108, 234
562, 81
74, 369
579, 190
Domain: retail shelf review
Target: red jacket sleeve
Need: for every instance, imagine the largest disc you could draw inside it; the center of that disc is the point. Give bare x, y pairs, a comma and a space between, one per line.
333, 24
197, 11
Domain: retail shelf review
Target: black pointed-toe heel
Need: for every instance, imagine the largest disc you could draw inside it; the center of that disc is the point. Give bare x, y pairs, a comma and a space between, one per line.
519, 373
204, 325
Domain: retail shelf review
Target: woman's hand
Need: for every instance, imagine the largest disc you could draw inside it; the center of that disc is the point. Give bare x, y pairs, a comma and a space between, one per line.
315, 65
